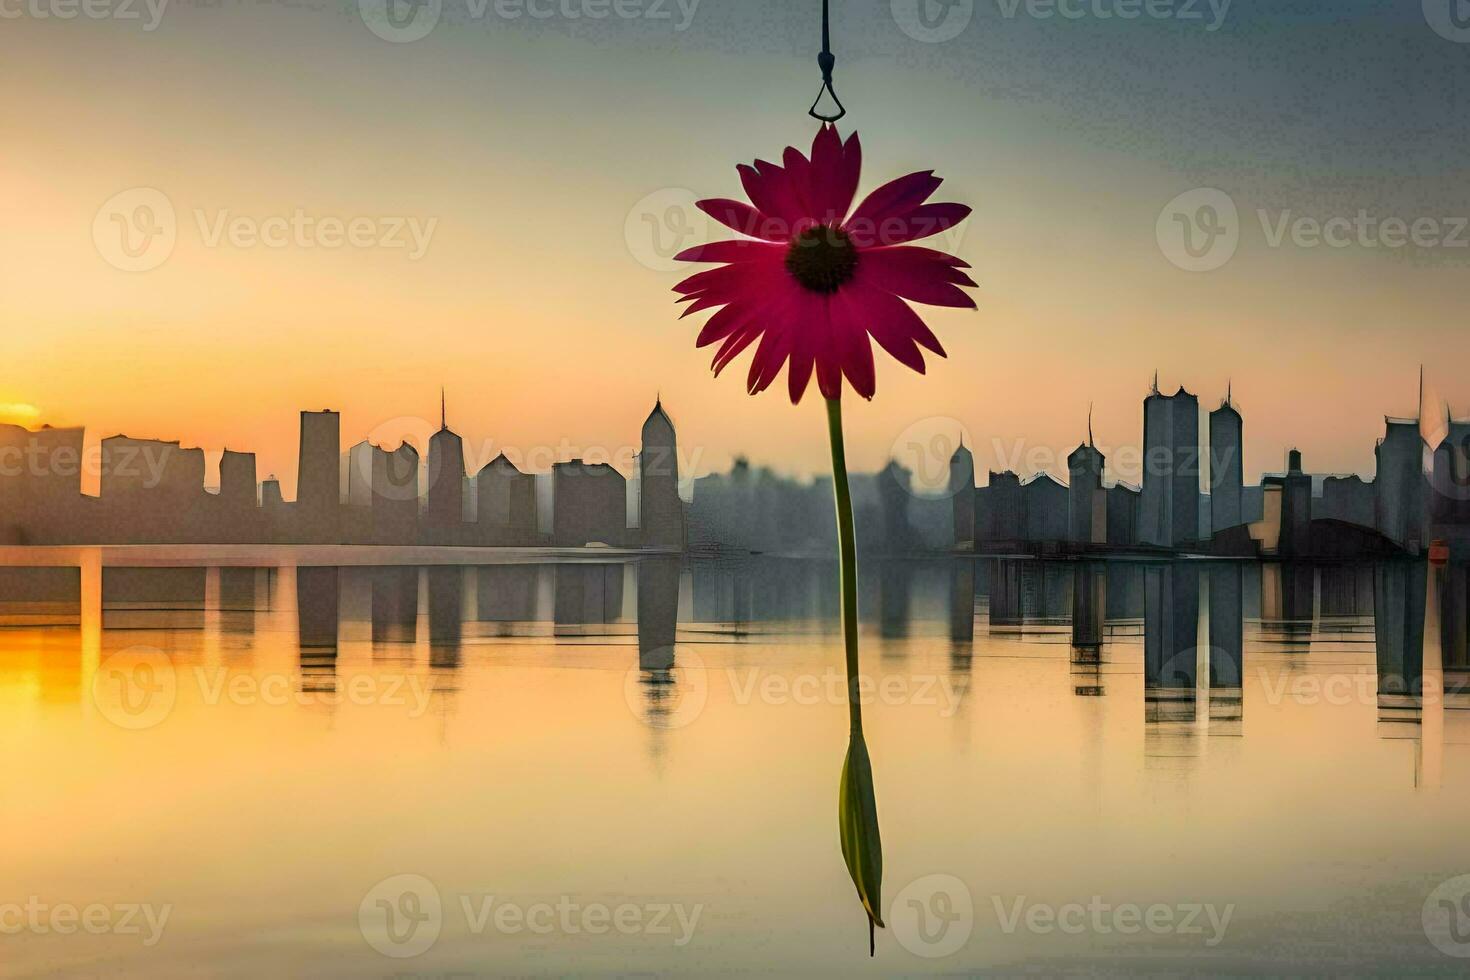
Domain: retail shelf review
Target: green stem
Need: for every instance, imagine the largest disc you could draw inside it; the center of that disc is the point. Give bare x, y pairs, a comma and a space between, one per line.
847, 555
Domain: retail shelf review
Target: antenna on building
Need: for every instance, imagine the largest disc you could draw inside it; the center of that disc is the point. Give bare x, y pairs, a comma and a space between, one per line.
1156, 381
1089, 424
1228, 386
1419, 412
443, 411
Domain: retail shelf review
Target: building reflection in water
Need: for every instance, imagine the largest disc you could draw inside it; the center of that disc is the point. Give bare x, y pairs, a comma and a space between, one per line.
1172, 644
395, 606
1193, 619
670, 686
1089, 604
153, 598
505, 596
658, 612
445, 590
317, 598
1225, 586
588, 596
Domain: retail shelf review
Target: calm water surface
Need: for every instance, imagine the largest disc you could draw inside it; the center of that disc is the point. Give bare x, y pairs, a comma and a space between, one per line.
594, 768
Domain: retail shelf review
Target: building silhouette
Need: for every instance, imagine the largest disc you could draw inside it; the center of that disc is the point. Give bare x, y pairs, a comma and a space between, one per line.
660, 511
1296, 509
1045, 502
318, 476
237, 488
1122, 515
589, 504
40, 483
962, 495
1347, 499
1227, 481
1450, 476
1399, 486
1169, 507
444, 512
505, 502
1087, 516
395, 486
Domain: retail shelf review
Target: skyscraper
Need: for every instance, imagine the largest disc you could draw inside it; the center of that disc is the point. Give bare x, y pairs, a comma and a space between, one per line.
319, 475
1086, 500
395, 486
1399, 486
1169, 507
962, 495
445, 511
660, 511
237, 479
1227, 481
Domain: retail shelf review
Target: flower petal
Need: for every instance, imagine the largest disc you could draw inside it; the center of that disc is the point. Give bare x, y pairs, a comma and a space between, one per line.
769, 357
857, 357
722, 324
736, 250
811, 315
921, 222
799, 173
742, 218
733, 345
893, 199
912, 277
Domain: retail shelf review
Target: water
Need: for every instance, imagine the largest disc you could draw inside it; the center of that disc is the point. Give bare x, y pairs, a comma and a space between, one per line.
622, 767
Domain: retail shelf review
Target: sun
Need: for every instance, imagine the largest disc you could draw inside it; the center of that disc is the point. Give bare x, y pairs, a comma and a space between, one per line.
19, 413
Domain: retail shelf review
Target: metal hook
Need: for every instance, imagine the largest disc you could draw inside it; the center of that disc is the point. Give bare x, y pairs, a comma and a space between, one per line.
826, 61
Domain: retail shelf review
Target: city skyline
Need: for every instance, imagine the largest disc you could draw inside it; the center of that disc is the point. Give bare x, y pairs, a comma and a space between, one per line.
1192, 496
1013, 451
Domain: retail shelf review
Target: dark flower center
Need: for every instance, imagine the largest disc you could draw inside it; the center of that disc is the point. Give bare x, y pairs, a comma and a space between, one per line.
822, 258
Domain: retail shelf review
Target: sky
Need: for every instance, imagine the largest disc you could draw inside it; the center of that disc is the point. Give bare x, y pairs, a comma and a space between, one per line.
335, 219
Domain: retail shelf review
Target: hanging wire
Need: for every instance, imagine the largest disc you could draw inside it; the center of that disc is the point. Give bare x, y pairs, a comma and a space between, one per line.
826, 61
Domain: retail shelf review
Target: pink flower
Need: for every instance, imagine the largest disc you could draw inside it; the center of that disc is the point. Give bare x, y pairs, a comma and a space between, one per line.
813, 282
